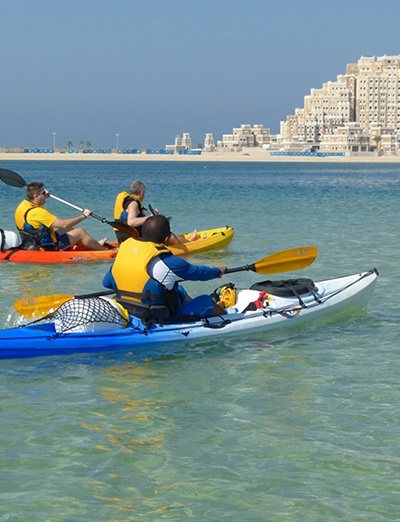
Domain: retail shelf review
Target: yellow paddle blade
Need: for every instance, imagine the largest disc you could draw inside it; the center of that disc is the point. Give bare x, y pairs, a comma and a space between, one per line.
40, 306
36, 307
286, 260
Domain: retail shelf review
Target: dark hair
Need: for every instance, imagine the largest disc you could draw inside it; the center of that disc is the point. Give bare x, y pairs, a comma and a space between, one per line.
156, 229
34, 188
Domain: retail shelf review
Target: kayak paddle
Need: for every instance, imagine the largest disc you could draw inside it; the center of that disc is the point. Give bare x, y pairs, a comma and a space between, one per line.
284, 261
35, 307
154, 213
13, 179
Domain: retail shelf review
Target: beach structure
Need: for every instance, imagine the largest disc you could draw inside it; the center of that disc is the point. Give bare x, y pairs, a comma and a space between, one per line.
246, 137
181, 144
209, 145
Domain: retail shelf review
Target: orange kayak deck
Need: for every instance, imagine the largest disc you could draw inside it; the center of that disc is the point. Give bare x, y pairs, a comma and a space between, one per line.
212, 239
76, 255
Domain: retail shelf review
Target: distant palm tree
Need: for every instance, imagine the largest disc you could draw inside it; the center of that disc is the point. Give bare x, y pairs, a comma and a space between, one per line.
361, 140
69, 144
81, 143
377, 140
88, 145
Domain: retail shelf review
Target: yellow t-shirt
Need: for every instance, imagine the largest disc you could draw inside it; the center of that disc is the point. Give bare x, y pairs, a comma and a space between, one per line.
40, 216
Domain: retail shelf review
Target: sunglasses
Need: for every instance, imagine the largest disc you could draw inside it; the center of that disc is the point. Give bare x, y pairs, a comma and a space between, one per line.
44, 193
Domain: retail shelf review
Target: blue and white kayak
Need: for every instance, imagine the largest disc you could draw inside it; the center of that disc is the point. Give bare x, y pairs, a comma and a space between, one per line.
265, 306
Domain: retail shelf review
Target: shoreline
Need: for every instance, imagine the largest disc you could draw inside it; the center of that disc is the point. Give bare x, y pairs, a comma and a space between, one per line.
249, 157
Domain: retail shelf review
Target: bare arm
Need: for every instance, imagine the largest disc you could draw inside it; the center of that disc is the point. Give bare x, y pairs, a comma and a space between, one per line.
133, 215
71, 222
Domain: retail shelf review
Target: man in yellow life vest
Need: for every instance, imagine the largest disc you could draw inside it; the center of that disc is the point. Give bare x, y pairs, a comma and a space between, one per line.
129, 209
145, 271
37, 226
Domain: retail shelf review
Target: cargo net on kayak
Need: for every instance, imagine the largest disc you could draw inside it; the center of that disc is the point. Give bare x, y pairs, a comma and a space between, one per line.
88, 315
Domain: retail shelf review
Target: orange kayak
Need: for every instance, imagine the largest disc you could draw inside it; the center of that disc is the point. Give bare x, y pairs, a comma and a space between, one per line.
213, 239
75, 255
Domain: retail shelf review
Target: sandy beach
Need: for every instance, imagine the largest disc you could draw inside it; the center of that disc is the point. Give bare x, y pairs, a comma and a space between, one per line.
248, 156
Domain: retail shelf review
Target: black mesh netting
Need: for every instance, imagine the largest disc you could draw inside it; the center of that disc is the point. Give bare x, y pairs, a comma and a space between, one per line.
82, 312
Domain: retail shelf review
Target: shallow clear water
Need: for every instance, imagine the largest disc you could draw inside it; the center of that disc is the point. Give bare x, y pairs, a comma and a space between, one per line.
298, 425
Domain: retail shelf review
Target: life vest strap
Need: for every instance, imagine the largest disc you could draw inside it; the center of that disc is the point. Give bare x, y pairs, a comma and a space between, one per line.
139, 295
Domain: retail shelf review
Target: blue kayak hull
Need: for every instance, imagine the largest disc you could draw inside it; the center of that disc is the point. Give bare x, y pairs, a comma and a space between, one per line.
332, 296
36, 341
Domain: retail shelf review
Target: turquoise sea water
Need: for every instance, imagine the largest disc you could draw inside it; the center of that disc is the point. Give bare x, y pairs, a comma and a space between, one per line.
297, 425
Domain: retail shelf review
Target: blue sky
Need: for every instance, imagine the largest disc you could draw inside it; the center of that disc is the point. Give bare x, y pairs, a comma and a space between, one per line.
152, 69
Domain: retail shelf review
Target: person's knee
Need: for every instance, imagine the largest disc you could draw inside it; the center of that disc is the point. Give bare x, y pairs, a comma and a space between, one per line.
76, 234
202, 305
80, 233
218, 310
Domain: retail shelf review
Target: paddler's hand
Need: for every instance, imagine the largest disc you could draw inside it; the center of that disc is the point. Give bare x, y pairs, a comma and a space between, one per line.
86, 212
223, 270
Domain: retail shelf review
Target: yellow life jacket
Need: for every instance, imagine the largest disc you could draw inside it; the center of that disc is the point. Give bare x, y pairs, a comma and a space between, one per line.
42, 235
119, 212
130, 267
20, 214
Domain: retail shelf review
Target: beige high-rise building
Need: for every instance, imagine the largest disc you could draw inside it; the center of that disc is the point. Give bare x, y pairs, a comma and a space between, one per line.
377, 96
367, 94
324, 110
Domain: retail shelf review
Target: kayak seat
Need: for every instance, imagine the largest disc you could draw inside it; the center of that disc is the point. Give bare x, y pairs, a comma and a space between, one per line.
28, 242
148, 314
154, 314
31, 241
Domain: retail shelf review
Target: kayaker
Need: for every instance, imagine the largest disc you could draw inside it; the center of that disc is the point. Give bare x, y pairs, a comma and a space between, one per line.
148, 266
129, 209
37, 225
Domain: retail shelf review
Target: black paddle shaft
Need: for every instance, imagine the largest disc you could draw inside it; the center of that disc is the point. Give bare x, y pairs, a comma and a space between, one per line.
241, 269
